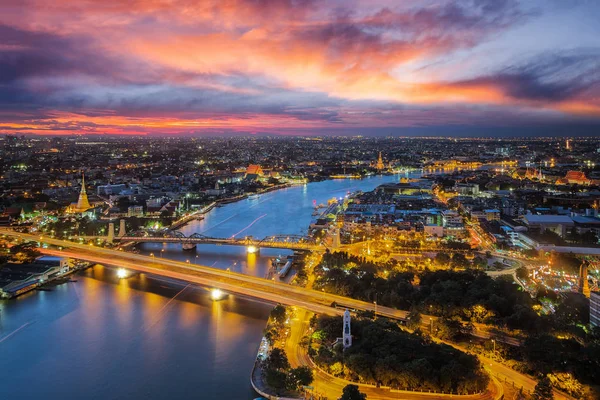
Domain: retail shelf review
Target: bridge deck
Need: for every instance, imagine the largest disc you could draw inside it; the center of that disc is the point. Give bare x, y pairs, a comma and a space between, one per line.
221, 241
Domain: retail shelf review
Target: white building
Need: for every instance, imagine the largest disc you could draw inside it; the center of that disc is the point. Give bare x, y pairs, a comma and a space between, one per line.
107, 190
555, 223
595, 308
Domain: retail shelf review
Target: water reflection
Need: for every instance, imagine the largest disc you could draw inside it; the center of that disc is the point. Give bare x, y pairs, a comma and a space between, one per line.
141, 337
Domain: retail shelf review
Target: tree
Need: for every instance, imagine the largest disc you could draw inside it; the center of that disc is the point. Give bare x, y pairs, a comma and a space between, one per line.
25, 252
278, 315
442, 259
449, 328
414, 318
277, 360
574, 309
522, 273
275, 378
351, 392
543, 389
270, 335
301, 376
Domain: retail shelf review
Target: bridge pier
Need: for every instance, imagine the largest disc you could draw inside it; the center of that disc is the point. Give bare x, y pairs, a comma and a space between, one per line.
252, 249
122, 230
188, 246
111, 232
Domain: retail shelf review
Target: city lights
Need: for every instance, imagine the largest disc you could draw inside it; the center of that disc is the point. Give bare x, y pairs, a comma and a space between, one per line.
216, 294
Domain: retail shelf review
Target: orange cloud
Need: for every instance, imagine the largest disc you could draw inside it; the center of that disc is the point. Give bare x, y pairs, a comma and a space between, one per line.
117, 54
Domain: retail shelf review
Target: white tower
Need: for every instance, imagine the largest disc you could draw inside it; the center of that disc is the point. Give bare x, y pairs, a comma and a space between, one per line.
335, 238
347, 337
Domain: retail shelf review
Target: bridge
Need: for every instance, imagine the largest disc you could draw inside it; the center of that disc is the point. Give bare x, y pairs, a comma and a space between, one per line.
292, 242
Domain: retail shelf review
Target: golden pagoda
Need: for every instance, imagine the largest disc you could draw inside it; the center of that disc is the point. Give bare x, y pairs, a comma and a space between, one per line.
379, 162
82, 204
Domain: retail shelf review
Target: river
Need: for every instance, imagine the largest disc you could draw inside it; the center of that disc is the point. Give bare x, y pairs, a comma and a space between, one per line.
147, 337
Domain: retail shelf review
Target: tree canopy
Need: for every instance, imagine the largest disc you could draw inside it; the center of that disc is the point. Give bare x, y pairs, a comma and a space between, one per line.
384, 354
351, 392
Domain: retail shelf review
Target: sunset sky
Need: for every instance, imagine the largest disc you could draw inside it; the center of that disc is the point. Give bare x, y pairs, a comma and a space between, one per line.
300, 67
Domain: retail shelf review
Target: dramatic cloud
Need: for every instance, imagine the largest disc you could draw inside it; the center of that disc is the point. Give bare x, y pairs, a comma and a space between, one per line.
291, 66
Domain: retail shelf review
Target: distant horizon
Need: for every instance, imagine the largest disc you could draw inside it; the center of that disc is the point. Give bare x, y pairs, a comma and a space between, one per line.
300, 67
594, 134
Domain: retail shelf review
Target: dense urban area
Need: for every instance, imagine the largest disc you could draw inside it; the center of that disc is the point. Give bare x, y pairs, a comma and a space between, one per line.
473, 271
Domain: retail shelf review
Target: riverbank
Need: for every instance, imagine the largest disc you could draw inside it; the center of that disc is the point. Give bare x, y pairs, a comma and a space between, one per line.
40, 282
273, 376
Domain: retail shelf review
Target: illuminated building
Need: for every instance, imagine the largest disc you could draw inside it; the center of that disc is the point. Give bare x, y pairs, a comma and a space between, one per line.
82, 204
583, 285
572, 177
254, 172
379, 163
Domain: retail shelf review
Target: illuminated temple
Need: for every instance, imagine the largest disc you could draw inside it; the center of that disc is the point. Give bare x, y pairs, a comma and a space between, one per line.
83, 203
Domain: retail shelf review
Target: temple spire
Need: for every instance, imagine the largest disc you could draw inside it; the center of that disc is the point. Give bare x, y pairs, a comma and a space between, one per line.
82, 203
379, 162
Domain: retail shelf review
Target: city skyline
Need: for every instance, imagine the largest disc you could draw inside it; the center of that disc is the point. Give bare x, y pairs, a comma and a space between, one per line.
292, 67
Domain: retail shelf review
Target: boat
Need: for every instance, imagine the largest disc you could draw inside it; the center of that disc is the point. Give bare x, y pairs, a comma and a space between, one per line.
286, 268
254, 196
